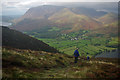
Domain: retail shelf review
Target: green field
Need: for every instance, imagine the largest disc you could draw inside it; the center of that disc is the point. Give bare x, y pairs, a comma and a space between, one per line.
85, 46
66, 43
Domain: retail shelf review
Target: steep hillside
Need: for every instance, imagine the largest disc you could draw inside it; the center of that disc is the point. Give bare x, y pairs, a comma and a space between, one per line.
15, 39
88, 12
66, 18
108, 18
110, 30
40, 12
57, 16
38, 64
32, 24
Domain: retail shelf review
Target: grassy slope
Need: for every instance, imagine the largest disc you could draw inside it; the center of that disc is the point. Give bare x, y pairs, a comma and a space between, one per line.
38, 64
19, 40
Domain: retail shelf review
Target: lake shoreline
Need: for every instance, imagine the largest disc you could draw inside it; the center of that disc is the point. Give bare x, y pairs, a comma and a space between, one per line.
109, 55
5, 23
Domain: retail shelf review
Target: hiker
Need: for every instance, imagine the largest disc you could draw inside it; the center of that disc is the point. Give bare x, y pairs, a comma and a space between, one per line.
88, 57
76, 54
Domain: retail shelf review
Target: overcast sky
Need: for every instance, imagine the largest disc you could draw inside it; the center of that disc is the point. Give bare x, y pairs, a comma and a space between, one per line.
13, 7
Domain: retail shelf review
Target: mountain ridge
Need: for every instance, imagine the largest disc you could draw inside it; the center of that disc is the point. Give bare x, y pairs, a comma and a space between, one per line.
108, 18
58, 16
66, 20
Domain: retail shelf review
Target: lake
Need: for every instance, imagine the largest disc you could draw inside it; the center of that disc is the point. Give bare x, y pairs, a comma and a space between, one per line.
115, 54
5, 24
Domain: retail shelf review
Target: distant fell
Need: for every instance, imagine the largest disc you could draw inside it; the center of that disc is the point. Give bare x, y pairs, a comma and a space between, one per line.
40, 12
68, 19
108, 18
88, 12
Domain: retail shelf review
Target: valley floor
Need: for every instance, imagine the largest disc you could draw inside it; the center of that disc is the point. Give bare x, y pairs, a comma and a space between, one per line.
38, 64
86, 47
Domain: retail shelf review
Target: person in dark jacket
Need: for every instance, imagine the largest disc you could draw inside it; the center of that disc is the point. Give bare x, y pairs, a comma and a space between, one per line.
88, 57
76, 54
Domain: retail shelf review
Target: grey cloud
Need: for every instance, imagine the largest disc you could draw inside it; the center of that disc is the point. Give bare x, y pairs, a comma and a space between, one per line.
21, 6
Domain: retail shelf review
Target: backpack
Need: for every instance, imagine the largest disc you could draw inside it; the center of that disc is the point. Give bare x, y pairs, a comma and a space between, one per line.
75, 53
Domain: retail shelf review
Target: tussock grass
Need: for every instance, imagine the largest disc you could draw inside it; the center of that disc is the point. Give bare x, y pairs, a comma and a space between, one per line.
38, 64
